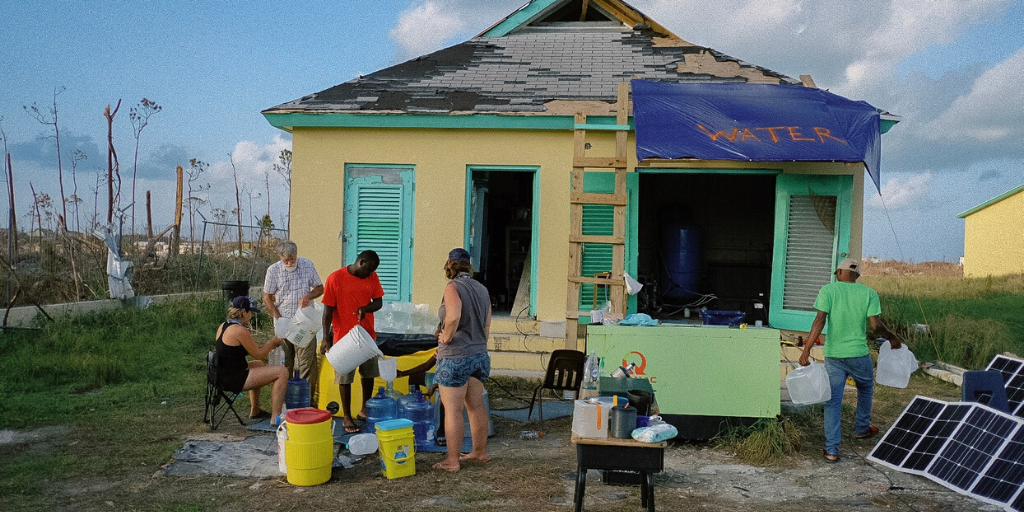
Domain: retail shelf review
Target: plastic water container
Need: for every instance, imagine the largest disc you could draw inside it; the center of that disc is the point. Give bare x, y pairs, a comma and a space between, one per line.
362, 444
590, 417
297, 395
309, 447
895, 366
388, 368
379, 408
276, 357
417, 409
809, 384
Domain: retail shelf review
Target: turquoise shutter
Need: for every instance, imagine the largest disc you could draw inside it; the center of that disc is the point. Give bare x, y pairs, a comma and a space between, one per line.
598, 219
378, 217
812, 233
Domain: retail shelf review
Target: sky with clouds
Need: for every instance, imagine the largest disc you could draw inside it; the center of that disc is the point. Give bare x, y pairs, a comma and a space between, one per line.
949, 68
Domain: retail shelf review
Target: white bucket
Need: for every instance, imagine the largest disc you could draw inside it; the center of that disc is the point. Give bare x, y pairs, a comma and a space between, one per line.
282, 437
809, 384
388, 367
352, 350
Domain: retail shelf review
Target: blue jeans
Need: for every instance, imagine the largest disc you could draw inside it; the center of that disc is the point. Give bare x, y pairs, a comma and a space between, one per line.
862, 371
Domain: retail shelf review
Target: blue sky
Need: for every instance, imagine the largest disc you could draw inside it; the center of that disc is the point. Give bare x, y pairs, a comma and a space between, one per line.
950, 68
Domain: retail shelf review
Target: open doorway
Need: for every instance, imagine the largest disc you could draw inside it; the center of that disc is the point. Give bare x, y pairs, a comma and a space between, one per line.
501, 236
705, 241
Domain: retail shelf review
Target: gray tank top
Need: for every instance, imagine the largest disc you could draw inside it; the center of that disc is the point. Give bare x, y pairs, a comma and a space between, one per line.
471, 334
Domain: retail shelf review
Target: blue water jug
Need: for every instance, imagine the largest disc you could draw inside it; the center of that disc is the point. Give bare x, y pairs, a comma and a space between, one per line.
419, 410
379, 408
297, 395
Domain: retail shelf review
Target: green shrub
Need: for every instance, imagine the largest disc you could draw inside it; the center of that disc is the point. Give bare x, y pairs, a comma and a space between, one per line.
956, 339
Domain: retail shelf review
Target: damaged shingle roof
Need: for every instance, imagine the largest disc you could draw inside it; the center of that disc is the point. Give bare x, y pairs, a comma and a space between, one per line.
524, 71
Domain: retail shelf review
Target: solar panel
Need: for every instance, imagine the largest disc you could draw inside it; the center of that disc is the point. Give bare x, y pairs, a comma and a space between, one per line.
972, 447
1013, 378
1004, 476
968, 447
908, 430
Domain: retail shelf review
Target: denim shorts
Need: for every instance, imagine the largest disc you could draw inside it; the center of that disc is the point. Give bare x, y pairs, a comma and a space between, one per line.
454, 372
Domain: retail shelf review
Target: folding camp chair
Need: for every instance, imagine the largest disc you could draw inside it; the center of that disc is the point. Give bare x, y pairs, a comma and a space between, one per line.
218, 401
564, 373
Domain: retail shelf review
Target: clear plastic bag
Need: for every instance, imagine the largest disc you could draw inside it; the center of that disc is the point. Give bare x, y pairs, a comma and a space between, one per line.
656, 431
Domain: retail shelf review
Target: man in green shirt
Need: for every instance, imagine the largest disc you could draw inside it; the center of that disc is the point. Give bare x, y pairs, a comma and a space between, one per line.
849, 307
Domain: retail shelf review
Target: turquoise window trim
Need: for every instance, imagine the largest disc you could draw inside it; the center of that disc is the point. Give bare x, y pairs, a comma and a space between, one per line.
534, 218
518, 18
408, 221
603, 127
840, 186
476, 121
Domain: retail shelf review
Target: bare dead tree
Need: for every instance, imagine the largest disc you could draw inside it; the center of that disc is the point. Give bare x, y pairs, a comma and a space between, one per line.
78, 156
12, 222
284, 168
113, 166
49, 118
196, 169
238, 202
139, 116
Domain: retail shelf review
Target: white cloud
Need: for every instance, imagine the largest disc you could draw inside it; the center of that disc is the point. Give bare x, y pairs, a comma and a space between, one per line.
424, 27
901, 193
991, 112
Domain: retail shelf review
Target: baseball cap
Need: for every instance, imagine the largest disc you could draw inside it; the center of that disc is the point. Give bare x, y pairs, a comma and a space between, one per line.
849, 264
244, 303
459, 254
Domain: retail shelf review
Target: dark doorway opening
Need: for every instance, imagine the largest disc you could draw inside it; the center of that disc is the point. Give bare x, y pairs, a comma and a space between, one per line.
705, 241
502, 206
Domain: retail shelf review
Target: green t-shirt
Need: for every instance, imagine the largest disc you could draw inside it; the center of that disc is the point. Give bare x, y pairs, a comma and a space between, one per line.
848, 306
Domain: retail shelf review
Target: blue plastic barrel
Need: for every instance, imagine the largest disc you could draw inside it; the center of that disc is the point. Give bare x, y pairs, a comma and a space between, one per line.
680, 252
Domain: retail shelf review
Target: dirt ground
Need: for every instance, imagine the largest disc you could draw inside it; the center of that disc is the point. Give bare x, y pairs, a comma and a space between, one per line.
535, 475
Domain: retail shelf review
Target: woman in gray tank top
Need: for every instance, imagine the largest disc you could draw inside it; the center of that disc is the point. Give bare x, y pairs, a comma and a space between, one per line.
462, 360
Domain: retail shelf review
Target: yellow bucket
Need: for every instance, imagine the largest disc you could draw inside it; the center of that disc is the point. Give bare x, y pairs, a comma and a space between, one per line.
397, 448
309, 449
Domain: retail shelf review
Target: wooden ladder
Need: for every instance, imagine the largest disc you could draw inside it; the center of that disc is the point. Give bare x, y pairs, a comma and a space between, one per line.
578, 198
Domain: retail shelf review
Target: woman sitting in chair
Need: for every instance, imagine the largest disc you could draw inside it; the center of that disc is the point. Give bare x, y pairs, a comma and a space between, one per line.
235, 374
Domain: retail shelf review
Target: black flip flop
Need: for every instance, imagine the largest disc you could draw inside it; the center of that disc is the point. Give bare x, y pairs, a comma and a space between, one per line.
830, 458
262, 415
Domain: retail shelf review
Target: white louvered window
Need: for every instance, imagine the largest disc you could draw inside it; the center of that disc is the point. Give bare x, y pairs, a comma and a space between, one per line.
809, 249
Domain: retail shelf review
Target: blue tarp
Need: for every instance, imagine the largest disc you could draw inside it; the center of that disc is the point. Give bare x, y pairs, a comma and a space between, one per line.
754, 123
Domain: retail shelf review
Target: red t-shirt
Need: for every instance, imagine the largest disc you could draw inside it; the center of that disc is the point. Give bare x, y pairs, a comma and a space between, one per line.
346, 293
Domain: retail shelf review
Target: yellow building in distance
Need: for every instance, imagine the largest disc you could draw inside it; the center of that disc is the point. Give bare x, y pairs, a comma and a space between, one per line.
994, 236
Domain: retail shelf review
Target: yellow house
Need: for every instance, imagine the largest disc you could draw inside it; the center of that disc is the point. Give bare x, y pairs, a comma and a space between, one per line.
473, 146
994, 236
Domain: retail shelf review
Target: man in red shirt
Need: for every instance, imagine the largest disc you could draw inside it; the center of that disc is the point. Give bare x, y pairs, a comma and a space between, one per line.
351, 295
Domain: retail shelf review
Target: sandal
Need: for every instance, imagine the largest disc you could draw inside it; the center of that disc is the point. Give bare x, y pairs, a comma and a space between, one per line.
872, 432
831, 458
262, 415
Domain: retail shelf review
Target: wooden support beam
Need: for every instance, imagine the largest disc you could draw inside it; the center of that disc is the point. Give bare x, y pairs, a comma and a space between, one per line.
598, 198
603, 162
596, 239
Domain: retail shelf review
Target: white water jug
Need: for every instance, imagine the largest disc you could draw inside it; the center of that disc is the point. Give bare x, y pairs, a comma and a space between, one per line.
895, 366
809, 384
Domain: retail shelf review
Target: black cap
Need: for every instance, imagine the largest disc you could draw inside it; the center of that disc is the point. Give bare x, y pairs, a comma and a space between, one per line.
244, 303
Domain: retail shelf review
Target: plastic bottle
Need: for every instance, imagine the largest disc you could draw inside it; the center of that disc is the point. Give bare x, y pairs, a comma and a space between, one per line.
624, 371
600, 371
379, 408
276, 356
297, 395
590, 369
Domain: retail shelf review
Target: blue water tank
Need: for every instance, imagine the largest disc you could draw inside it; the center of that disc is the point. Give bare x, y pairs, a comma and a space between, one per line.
379, 408
297, 394
680, 252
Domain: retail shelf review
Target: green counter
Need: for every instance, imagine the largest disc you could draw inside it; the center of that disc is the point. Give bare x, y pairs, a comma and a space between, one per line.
700, 371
